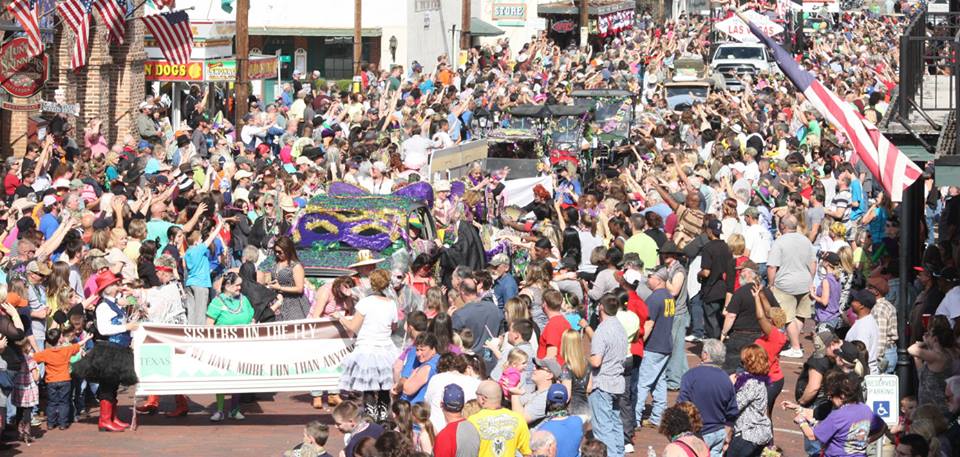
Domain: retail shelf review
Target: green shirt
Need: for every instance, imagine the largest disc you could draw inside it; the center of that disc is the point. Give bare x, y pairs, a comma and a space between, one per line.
225, 310
645, 247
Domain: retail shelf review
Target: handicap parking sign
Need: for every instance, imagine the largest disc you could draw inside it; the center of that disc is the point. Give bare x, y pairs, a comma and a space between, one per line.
882, 408
883, 396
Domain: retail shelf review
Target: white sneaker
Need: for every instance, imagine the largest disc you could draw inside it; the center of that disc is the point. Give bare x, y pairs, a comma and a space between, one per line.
237, 415
217, 417
792, 353
692, 339
627, 448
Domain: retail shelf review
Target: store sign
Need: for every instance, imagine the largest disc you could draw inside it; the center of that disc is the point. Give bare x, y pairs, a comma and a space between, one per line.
261, 67
510, 13
738, 30
221, 70
18, 107
66, 108
613, 23
21, 75
162, 70
564, 26
421, 6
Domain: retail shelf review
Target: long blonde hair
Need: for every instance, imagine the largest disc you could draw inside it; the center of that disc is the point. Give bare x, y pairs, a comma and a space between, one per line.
846, 259
571, 347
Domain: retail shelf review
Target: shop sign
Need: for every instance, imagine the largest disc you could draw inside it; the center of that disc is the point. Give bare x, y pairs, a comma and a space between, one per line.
21, 75
510, 14
162, 70
564, 26
613, 23
262, 68
16, 107
54, 107
421, 6
221, 70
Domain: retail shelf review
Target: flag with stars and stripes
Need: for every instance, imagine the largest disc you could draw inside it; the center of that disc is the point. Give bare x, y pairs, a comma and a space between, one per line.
172, 32
25, 12
113, 13
76, 14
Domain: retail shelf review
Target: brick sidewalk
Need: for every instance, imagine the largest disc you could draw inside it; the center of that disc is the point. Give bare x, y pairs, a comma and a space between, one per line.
275, 423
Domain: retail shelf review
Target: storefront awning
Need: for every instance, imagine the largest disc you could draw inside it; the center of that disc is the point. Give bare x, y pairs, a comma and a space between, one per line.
479, 27
596, 7
298, 31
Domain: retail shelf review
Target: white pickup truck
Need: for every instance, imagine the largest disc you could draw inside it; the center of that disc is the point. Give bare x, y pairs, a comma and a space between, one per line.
737, 59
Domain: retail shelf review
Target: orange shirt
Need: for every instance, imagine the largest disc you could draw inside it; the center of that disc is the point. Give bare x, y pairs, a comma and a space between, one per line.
57, 361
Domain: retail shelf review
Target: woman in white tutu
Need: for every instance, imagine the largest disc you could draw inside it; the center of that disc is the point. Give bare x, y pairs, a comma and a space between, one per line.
369, 368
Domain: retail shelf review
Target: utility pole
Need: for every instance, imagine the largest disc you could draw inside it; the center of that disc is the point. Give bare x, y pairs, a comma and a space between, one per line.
242, 90
584, 22
357, 38
464, 29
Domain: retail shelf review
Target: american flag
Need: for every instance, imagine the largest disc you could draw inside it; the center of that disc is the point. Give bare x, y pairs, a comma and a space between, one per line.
172, 32
25, 11
76, 14
161, 3
113, 13
889, 165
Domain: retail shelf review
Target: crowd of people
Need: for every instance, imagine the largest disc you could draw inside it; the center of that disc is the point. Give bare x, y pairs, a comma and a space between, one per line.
736, 229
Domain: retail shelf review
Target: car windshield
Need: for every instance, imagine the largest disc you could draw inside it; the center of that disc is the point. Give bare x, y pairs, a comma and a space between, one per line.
682, 98
738, 53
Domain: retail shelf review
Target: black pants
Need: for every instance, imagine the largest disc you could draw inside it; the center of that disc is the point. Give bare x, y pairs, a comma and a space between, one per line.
734, 343
108, 391
743, 448
628, 401
711, 318
773, 391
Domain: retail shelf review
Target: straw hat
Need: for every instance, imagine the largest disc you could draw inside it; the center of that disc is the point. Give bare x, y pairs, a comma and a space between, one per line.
287, 204
365, 257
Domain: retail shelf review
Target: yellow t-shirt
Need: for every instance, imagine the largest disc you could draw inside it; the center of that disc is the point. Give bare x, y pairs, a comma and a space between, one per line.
502, 433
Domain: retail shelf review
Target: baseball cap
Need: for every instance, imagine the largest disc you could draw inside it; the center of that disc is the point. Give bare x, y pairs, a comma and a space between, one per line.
661, 274
50, 200
825, 337
557, 393
453, 398
714, 226
831, 257
848, 352
748, 265
39, 268
550, 365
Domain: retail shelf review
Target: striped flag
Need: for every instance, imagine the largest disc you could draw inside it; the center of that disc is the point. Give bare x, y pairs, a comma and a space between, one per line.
113, 13
165, 3
891, 167
76, 14
25, 11
172, 32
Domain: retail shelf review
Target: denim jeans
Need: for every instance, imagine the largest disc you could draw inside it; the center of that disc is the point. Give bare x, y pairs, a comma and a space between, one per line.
711, 318
58, 404
715, 441
607, 427
696, 316
891, 355
651, 379
812, 448
677, 365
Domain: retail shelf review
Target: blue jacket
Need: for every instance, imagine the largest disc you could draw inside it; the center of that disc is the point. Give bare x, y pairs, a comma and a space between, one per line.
709, 388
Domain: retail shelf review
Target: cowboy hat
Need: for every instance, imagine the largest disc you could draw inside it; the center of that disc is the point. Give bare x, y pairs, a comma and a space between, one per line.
365, 257
241, 174
241, 194
287, 204
442, 186
670, 248
105, 279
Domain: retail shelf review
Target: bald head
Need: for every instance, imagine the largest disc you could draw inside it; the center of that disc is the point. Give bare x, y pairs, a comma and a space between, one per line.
157, 209
543, 443
489, 394
789, 223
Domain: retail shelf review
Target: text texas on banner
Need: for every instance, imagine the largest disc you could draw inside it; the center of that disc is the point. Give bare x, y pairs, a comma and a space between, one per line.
274, 357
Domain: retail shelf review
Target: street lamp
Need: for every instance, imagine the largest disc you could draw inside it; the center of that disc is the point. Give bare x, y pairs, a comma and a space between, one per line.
393, 48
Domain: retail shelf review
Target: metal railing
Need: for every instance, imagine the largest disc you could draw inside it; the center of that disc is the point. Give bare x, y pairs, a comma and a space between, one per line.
928, 64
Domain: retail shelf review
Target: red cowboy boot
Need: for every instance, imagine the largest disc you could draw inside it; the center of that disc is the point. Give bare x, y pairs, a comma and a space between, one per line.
106, 418
115, 421
182, 408
151, 406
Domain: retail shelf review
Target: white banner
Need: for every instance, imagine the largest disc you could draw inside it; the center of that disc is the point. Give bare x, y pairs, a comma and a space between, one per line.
274, 357
738, 30
519, 192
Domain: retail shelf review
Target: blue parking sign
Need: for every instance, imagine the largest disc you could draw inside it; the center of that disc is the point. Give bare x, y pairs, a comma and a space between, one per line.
882, 408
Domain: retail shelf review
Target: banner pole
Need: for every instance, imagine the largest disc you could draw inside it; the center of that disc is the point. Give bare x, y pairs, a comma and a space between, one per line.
133, 421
